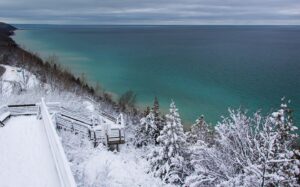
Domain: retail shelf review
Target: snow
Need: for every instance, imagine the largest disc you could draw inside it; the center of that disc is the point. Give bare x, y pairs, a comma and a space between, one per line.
109, 123
123, 168
10, 74
168, 161
232, 158
103, 168
4, 116
89, 106
26, 159
16, 76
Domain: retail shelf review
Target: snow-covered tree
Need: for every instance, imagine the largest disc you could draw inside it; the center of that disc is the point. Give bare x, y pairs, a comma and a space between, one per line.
199, 132
168, 162
158, 121
150, 126
279, 168
156, 112
249, 151
219, 163
146, 131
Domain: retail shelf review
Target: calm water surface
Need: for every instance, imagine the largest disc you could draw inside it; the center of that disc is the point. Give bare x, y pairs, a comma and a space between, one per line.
204, 69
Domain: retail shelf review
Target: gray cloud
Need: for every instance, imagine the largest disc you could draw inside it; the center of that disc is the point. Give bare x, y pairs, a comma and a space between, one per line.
151, 12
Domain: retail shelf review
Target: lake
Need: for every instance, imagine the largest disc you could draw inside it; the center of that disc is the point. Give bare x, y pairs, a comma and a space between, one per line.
204, 69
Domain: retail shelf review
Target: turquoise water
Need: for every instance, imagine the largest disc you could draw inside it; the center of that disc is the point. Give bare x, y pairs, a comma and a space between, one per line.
204, 69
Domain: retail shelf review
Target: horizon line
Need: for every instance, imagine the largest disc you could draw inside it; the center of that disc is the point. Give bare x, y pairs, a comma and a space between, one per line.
153, 24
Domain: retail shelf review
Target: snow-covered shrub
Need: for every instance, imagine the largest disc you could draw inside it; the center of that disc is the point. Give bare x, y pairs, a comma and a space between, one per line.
279, 168
78, 150
249, 151
168, 160
98, 167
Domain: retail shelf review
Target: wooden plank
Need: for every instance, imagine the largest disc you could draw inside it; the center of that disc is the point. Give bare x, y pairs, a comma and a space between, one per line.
76, 119
29, 109
21, 105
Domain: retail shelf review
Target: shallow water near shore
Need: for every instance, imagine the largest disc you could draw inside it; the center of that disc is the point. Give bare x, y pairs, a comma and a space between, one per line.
204, 69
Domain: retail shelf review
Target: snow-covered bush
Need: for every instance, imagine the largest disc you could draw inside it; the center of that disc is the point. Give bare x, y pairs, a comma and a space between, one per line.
98, 167
168, 161
279, 168
249, 151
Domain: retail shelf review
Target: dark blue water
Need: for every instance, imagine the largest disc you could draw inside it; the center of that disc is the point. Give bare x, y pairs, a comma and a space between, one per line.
205, 69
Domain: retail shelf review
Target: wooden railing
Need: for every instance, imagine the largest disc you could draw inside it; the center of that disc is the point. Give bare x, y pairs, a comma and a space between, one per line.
22, 109
75, 121
74, 125
108, 117
61, 162
85, 128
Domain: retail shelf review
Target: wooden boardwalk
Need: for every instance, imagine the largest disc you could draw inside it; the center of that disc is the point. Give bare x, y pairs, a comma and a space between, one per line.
99, 127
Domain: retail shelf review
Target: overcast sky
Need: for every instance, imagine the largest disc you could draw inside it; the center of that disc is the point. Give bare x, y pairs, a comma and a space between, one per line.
151, 11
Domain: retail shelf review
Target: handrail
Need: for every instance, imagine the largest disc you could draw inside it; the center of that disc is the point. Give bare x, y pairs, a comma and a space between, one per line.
69, 114
75, 119
27, 109
108, 116
65, 114
21, 105
60, 159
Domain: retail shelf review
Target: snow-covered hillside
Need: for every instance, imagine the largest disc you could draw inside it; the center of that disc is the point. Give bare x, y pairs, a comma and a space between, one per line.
241, 150
16, 79
104, 168
91, 166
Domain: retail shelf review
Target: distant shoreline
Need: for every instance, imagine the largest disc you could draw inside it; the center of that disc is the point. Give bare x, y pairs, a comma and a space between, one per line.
221, 68
16, 48
12, 54
139, 106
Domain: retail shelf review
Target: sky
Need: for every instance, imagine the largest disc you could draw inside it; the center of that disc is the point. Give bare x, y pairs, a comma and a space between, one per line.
169, 12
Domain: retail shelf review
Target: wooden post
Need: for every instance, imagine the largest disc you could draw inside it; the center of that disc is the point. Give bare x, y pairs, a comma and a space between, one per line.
95, 139
107, 140
89, 134
120, 137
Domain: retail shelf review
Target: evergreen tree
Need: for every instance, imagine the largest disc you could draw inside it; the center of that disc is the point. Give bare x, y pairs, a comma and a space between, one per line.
150, 126
146, 131
168, 161
147, 111
157, 119
199, 132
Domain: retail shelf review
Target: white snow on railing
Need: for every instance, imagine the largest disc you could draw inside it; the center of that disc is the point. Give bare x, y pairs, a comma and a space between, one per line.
59, 156
3, 108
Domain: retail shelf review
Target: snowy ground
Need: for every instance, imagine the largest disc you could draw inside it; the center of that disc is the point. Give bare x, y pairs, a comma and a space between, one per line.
15, 79
102, 168
26, 159
125, 168
27, 165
